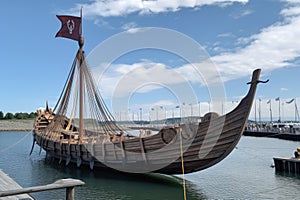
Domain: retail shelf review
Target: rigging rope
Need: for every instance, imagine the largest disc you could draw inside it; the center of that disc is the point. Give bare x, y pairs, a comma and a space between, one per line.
71, 74
20, 140
97, 115
182, 165
74, 104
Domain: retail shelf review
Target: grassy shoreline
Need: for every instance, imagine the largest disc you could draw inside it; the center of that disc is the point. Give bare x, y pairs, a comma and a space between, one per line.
16, 125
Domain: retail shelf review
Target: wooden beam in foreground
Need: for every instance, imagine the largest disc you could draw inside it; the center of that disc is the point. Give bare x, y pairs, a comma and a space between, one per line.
69, 184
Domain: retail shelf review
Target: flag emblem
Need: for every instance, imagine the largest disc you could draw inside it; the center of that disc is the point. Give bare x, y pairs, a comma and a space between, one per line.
70, 27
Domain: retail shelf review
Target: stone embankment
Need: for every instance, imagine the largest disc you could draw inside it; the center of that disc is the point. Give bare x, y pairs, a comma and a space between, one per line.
16, 125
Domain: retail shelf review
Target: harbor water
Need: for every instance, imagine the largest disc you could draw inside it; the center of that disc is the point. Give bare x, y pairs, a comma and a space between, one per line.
245, 174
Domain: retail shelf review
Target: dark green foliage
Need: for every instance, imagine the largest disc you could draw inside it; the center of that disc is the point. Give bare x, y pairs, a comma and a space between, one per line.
33, 115
9, 116
18, 115
21, 115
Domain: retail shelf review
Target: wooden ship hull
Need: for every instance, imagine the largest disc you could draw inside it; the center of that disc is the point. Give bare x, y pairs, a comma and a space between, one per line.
185, 148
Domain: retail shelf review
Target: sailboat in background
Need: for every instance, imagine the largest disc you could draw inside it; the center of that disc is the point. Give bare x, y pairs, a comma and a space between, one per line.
99, 142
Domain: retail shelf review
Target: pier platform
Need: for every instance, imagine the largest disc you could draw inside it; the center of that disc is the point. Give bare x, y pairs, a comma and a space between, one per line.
287, 165
7, 183
10, 190
284, 136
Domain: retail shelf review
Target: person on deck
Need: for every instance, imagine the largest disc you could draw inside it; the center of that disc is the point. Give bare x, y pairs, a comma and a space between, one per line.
297, 153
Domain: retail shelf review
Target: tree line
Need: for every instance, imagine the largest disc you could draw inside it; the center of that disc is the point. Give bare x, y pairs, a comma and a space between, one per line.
18, 115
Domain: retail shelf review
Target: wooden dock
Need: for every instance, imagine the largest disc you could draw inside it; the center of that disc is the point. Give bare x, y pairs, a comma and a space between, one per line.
10, 190
7, 183
284, 136
287, 165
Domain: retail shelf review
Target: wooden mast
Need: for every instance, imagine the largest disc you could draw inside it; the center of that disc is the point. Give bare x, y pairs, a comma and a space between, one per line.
81, 83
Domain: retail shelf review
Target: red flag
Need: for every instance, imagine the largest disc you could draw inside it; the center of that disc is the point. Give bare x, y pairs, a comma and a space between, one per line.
70, 27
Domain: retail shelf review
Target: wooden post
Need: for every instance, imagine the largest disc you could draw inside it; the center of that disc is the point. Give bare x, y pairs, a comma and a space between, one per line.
81, 96
70, 193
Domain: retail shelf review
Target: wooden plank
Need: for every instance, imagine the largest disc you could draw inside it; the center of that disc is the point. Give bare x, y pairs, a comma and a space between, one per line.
143, 150
60, 184
288, 165
7, 183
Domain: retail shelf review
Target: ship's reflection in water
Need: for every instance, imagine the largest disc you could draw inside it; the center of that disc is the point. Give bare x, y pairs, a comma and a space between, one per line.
109, 184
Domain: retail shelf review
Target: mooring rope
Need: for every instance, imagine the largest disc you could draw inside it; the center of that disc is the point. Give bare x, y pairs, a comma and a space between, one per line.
182, 166
20, 140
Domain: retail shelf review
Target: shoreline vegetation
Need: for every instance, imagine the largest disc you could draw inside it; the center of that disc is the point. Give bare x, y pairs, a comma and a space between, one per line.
20, 121
16, 125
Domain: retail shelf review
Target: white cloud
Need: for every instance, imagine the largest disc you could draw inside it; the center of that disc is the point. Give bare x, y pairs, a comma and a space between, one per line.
291, 1
102, 23
284, 89
291, 11
123, 79
157, 105
241, 13
274, 47
130, 25
108, 8
225, 35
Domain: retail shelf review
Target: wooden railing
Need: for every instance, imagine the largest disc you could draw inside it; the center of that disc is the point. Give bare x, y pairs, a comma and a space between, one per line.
69, 184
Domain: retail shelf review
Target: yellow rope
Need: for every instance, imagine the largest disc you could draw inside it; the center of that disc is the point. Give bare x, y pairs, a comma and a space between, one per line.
182, 166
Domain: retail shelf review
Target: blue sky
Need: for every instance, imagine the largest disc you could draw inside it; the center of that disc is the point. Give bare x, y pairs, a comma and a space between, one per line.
238, 36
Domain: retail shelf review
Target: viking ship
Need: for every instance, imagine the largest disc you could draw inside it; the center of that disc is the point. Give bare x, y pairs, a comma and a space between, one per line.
101, 143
